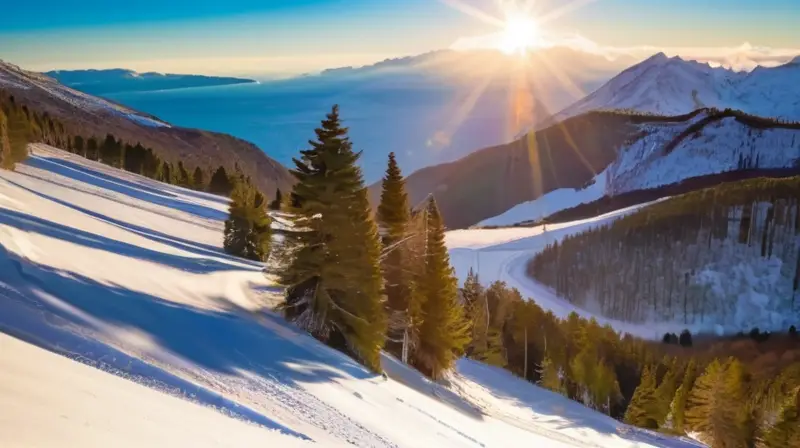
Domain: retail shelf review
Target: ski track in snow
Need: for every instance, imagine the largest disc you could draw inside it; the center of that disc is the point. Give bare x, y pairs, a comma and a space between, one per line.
127, 276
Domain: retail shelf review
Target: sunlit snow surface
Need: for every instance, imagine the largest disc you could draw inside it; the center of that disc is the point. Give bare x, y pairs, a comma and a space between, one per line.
169, 344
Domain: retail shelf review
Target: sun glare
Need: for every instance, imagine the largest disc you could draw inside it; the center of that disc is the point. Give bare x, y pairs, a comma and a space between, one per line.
520, 33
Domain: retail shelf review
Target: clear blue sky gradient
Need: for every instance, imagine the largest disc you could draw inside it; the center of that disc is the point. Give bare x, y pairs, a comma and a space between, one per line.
291, 34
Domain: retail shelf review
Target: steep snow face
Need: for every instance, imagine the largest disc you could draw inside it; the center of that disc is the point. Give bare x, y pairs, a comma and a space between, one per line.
127, 275
719, 147
18, 78
649, 161
673, 86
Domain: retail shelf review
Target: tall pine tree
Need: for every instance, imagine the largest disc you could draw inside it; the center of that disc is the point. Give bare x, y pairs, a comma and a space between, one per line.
393, 221
715, 408
642, 410
444, 332
333, 279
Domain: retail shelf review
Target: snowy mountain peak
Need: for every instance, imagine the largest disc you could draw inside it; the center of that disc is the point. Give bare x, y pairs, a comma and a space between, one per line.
673, 86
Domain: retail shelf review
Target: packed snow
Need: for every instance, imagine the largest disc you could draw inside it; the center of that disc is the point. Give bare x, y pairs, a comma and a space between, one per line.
56, 401
552, 202
171, 342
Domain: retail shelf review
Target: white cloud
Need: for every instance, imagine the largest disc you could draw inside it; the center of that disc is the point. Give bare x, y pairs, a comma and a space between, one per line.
742, 57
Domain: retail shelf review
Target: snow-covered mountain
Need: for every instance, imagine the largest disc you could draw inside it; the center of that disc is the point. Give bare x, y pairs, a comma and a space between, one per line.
673, 86
126, 279
663, 152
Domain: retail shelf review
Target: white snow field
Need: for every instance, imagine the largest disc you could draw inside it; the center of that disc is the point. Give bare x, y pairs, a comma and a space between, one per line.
125, 324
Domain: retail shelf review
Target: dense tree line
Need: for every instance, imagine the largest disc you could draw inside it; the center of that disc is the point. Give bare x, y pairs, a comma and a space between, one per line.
733, 392
661, 263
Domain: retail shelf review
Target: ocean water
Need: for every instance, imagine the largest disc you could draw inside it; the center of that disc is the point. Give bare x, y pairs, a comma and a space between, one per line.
423, 120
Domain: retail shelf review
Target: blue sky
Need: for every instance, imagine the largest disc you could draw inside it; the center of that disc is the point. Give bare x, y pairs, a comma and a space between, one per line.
294, 36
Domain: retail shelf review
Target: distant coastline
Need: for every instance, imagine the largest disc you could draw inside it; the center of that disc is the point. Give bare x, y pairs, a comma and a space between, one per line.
102, 82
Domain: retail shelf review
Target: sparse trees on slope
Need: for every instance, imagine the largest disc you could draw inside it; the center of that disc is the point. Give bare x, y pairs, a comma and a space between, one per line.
393, 220
333, 280
247, 229
444, 332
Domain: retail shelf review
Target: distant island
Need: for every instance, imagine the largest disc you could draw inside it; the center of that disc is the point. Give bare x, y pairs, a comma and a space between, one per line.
118, 80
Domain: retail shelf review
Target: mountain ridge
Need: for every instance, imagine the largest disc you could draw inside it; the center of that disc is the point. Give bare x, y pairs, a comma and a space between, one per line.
87, 115
118, 80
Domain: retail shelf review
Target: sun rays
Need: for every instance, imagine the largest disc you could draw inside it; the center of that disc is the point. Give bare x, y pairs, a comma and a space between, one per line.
522, 36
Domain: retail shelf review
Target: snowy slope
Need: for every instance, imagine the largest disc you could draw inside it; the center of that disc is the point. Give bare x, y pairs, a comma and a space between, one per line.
673, 86
13, 76
550, 203
67, 403
127, 275
659, 156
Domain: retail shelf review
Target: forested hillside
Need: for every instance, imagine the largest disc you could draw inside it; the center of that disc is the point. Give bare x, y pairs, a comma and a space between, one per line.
88, 116
727, 255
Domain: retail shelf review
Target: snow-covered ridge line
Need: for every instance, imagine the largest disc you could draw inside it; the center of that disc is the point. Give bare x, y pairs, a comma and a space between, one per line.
668, 150
18, 78
673, 86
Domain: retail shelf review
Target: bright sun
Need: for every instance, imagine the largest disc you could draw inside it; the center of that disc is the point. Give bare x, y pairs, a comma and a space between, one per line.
520, 33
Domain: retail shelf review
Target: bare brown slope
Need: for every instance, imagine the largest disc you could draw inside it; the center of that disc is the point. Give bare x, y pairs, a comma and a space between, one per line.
492, 180
194, 147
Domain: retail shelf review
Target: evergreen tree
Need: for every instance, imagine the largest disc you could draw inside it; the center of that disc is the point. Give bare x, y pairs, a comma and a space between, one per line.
198, 179
642, 410
183, 178
220, 183
247, 229
92, 150
715, 406
444, 331
393, 220
666, 392
333, 280
78, 146
19, 134
5, 144
550, 376
677, 415
785, 432
477, 310
278, 201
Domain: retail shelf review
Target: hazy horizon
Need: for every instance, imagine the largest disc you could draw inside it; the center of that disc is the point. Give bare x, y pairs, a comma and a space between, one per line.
274, 39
